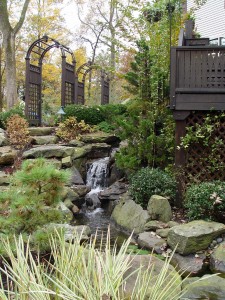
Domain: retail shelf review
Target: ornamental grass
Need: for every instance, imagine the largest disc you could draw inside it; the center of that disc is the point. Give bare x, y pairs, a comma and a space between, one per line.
80, 271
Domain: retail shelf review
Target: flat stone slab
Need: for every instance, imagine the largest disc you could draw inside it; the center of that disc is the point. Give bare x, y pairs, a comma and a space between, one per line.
217, 260
194, 236
153, 225
99, 137
97, 150
48, 151
33, 131
113, 192
212, 288
191, 265
44, 139
149, 241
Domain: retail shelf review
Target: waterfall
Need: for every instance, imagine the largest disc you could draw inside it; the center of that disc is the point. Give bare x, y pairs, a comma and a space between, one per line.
97, 174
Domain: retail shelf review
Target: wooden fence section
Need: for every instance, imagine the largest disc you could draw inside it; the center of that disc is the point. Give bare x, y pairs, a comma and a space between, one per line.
197, 78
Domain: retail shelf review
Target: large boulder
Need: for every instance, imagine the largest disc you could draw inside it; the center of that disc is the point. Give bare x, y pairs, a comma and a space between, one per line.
217, 260
7, 155
130, 215
172, 280
159, 209
209, 287
194, 236
152, 242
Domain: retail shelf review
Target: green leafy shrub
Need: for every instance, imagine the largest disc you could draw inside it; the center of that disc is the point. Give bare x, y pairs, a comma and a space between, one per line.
16, 110
17, 132
90, 115
147, 182
206, 200
31, 201
71, 129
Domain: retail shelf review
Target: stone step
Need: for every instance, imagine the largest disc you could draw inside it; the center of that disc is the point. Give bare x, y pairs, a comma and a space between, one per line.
44, 139
41, 131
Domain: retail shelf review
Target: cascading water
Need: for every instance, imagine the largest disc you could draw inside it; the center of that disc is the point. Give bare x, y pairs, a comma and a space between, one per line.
93, 214
98, 173
97, 180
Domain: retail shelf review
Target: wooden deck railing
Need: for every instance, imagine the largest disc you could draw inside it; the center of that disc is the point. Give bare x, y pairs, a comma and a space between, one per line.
197, 78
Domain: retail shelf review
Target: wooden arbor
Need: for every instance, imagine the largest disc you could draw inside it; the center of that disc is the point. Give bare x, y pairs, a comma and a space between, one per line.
81, 74
34, 59
197, 89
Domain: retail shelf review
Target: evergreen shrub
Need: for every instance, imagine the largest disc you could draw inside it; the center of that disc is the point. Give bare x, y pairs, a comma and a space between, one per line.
31, 201
106, 126
90, 115
147, 182
206, 200
16, 110
112, 110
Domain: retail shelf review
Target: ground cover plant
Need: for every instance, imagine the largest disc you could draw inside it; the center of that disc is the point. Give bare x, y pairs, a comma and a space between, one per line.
78, 271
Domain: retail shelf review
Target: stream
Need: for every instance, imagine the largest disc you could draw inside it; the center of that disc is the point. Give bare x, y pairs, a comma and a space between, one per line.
95, 215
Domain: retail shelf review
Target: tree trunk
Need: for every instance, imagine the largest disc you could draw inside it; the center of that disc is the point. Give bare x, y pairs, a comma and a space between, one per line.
9, 35
11, 92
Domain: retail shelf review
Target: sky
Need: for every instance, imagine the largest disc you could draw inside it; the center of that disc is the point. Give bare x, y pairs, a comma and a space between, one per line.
69, 12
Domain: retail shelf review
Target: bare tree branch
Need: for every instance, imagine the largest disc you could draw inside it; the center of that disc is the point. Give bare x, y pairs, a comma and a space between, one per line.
22, 17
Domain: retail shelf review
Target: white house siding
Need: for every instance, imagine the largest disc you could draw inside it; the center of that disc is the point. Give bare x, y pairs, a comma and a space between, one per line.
210, 18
